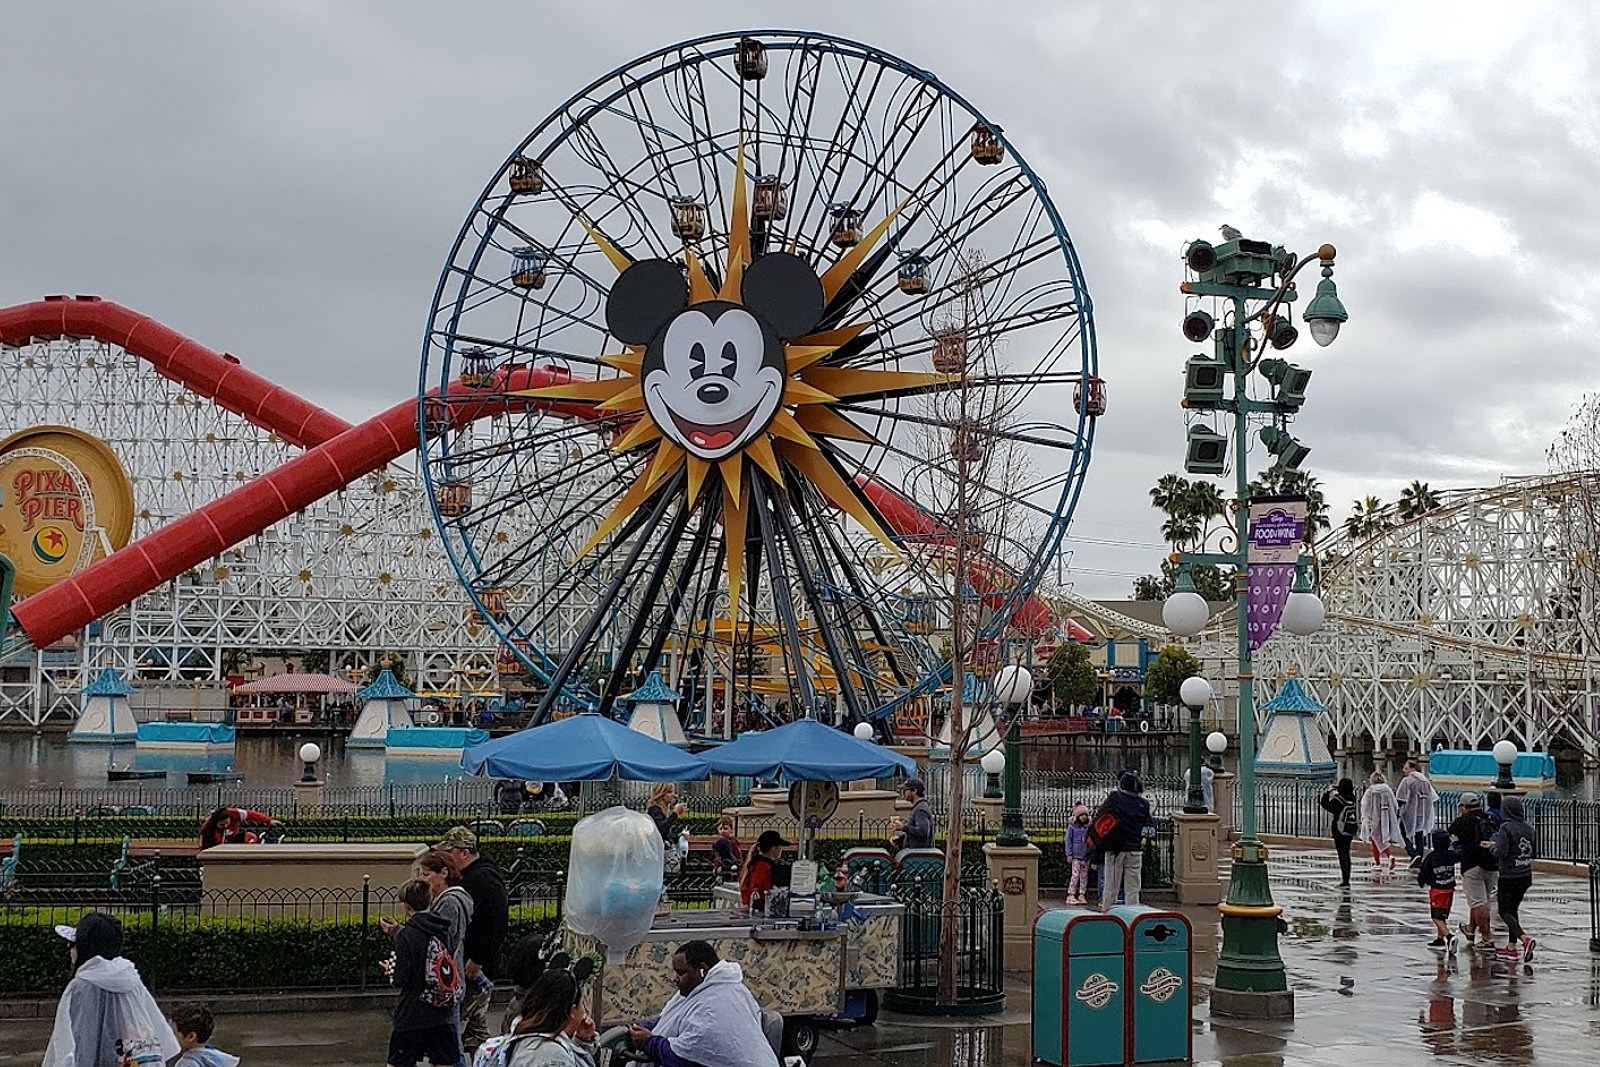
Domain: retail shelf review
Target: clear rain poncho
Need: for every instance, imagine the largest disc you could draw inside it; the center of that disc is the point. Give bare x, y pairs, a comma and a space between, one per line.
107, 1018
719, 1024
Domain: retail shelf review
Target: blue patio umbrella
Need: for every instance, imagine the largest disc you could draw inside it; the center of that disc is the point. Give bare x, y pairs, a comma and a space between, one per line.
806, 751
583, 748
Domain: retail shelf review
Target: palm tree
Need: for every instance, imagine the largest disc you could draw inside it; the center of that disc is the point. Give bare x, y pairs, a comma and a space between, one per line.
1368, 516
1417, 499
1180, 530
1167, 492
1203, 501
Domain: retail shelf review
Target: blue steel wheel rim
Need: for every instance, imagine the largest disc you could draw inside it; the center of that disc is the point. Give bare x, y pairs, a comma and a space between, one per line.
676, 104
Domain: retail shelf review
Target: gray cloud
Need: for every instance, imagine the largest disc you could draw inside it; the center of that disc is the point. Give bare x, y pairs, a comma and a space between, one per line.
284, 181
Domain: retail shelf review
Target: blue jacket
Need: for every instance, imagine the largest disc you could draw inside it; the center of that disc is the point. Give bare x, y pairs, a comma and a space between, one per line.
1133, 815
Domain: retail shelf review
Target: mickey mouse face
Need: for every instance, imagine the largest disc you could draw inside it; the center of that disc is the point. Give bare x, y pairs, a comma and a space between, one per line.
713, 374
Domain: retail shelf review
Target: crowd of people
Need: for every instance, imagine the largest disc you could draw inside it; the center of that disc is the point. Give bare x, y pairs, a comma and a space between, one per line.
1487, 852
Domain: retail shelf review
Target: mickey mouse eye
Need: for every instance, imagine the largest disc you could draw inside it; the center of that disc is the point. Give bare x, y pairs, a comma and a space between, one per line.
730, 359
697, 360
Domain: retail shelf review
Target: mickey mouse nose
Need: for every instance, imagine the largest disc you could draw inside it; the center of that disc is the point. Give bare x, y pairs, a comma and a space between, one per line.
712, 392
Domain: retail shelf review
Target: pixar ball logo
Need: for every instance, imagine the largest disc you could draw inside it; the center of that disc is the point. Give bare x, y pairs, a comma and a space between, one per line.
50, 544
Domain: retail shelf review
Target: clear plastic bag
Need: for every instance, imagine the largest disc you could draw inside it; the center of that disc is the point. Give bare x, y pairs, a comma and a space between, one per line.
615, 879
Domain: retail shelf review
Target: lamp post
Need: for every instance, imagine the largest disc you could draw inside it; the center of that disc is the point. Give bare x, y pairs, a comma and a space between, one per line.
993, 762
1216, 744
1505, 754
1195, 692
1012, 687
309, 754
1253, 281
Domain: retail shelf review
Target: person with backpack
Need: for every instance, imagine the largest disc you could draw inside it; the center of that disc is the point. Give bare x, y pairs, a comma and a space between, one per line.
1514, 847
425, 973
555, 1029
1339, 801
1117, 834
1479, 867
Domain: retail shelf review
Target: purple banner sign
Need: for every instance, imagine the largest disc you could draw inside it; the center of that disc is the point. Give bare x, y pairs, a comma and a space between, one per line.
1277, 530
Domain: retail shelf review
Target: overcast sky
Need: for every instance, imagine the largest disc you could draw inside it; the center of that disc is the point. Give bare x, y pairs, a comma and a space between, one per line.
284, 180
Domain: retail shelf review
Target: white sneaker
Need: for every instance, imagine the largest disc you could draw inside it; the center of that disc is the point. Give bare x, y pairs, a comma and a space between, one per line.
1454, 944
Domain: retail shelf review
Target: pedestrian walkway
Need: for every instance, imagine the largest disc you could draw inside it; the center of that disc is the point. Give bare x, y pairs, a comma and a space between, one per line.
1367, 990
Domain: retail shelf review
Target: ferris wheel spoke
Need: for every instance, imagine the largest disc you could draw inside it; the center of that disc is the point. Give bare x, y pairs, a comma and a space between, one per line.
666, 548
850, 566
820, 168
981, 432
690, 569
602, 609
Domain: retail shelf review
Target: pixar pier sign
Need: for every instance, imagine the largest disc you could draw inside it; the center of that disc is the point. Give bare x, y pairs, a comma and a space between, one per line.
64, 502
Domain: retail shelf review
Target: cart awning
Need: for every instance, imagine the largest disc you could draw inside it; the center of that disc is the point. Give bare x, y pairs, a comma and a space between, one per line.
807, 751
582, 748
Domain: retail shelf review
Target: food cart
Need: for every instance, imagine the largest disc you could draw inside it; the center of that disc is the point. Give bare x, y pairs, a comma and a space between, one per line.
803, 974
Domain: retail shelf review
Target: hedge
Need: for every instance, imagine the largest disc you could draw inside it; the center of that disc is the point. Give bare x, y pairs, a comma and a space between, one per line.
219, 954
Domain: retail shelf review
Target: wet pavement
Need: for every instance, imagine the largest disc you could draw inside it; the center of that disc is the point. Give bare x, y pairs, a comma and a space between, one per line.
1367, 990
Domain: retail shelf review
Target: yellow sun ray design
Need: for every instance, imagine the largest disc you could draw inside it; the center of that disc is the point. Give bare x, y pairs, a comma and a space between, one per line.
791, 441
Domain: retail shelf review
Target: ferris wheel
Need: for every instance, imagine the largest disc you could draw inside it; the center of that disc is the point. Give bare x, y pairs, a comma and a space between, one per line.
749, 361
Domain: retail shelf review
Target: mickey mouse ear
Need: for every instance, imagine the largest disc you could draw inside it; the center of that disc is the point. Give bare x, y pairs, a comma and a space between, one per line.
783, 289
644, 298
560, 961
583, 969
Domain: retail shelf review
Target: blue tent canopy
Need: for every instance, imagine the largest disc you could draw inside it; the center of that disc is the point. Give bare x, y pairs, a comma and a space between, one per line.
807, 751
583, 748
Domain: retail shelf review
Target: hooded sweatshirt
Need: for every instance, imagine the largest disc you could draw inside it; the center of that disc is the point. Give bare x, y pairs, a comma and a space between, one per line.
1513, 842
1077, 842
206, 1056
411, 1012
107, 1018
718, 1023
1438, 869
454, 906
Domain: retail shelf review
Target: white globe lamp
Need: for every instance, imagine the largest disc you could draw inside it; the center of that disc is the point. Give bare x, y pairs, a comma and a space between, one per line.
863, 731
1185, 613
1303, 614
993, 761
1505, 754
1195, 692
1012, 684
1216, 742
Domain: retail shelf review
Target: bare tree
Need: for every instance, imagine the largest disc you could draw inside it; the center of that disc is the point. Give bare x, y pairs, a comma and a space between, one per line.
968, 463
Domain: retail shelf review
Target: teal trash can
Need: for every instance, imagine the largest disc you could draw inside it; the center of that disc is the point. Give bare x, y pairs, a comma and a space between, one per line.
1079, 978
1160, 983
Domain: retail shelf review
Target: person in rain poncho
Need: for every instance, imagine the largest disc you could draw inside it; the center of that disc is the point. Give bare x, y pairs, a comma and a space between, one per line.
1380, 815
712, 1020
1415, 797
106, 1018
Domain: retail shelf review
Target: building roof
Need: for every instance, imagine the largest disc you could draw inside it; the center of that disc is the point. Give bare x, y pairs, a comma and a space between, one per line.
653, 691
1292, 697
306, 682
109, 684
387, 687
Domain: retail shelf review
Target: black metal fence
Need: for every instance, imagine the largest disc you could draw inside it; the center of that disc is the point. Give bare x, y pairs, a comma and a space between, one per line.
978, 914
235, 940
1567, 830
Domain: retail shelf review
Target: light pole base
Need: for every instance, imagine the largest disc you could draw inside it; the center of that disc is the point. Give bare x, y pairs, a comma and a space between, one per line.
1015, 870
1236, 1004
1251, 980
1195, 859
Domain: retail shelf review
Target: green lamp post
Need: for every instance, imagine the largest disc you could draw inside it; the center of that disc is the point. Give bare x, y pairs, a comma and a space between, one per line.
1013, 684
1195, 692
1254, 280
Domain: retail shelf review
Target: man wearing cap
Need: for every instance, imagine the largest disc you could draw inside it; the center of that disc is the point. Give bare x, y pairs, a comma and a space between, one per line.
106, 1015
916, 829
486, 930
1479, 867
1123, 850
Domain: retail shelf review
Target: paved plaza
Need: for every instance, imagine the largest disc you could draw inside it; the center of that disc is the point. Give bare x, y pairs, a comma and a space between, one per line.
1367, 989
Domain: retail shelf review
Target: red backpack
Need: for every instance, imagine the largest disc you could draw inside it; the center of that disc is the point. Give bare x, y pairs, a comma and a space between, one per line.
1102, 828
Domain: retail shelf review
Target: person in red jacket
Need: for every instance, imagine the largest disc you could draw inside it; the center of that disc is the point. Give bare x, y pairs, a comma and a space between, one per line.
229, 826
760, 867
